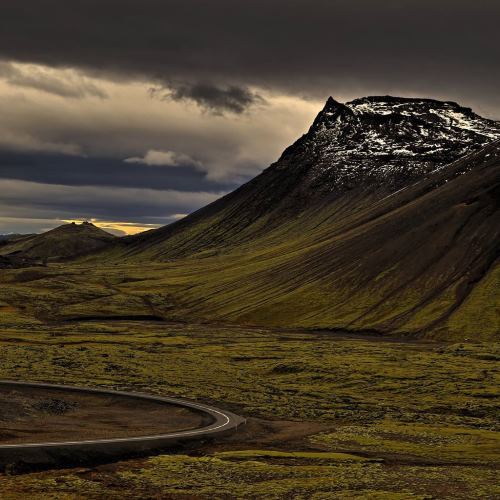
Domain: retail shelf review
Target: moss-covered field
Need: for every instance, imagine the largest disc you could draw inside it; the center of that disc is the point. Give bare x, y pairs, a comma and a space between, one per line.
187, 477
330, 416
238, 289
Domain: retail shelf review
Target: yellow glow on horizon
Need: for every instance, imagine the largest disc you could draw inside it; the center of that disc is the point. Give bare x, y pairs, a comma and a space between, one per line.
125, 227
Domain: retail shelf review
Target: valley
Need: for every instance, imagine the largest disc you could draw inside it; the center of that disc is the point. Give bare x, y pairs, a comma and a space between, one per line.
249, 250
345, 302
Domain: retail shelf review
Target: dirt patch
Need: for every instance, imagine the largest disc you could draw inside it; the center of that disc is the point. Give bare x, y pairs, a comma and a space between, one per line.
40, 415
280, 434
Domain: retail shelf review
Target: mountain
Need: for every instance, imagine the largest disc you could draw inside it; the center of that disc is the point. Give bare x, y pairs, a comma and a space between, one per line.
384, 217
63, 242
353, 154
424, 260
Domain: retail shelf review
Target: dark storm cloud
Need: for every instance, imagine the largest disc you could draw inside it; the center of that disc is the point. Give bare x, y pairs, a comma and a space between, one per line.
25, 200
215, 99
79, 171
319, 47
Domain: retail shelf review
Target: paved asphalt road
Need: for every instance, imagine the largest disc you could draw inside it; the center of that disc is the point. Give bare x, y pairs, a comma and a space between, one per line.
222, 422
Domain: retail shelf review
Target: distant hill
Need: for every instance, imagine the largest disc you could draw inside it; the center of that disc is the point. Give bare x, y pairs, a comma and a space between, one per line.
63, 242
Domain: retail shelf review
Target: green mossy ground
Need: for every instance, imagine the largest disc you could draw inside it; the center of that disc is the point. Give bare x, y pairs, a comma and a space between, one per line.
240, 289
181, 476
406, 419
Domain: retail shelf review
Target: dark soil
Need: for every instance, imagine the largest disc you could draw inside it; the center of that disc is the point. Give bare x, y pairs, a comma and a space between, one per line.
38, 415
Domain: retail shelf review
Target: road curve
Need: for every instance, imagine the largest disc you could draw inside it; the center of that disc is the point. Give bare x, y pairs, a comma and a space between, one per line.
222, 422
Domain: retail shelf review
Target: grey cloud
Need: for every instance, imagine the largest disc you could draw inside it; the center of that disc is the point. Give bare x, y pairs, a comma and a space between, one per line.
102, 171
28, 200
129, 125
157, 158
73, 86
213, 98
313, 48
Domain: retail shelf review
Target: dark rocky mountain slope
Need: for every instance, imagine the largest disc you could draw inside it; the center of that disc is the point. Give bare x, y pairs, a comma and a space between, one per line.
384, 217
353, 154
423, 260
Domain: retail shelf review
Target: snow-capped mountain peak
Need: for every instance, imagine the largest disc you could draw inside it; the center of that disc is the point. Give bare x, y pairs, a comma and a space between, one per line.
387, 140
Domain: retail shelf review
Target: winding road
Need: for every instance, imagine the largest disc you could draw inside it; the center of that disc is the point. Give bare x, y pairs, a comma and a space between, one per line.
222, 422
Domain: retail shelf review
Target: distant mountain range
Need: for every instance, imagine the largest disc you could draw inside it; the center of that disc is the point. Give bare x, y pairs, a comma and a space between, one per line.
383, 217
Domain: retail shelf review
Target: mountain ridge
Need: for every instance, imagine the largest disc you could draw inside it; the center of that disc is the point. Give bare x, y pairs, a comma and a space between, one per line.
423, 261
419, 256
351, 155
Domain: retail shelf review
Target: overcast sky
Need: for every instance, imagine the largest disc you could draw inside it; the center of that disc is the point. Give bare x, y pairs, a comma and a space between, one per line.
134, 113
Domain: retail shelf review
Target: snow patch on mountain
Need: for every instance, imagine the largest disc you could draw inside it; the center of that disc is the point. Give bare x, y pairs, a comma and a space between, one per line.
387, 141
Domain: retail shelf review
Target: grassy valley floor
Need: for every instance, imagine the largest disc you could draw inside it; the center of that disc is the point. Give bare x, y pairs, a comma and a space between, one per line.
330, 416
